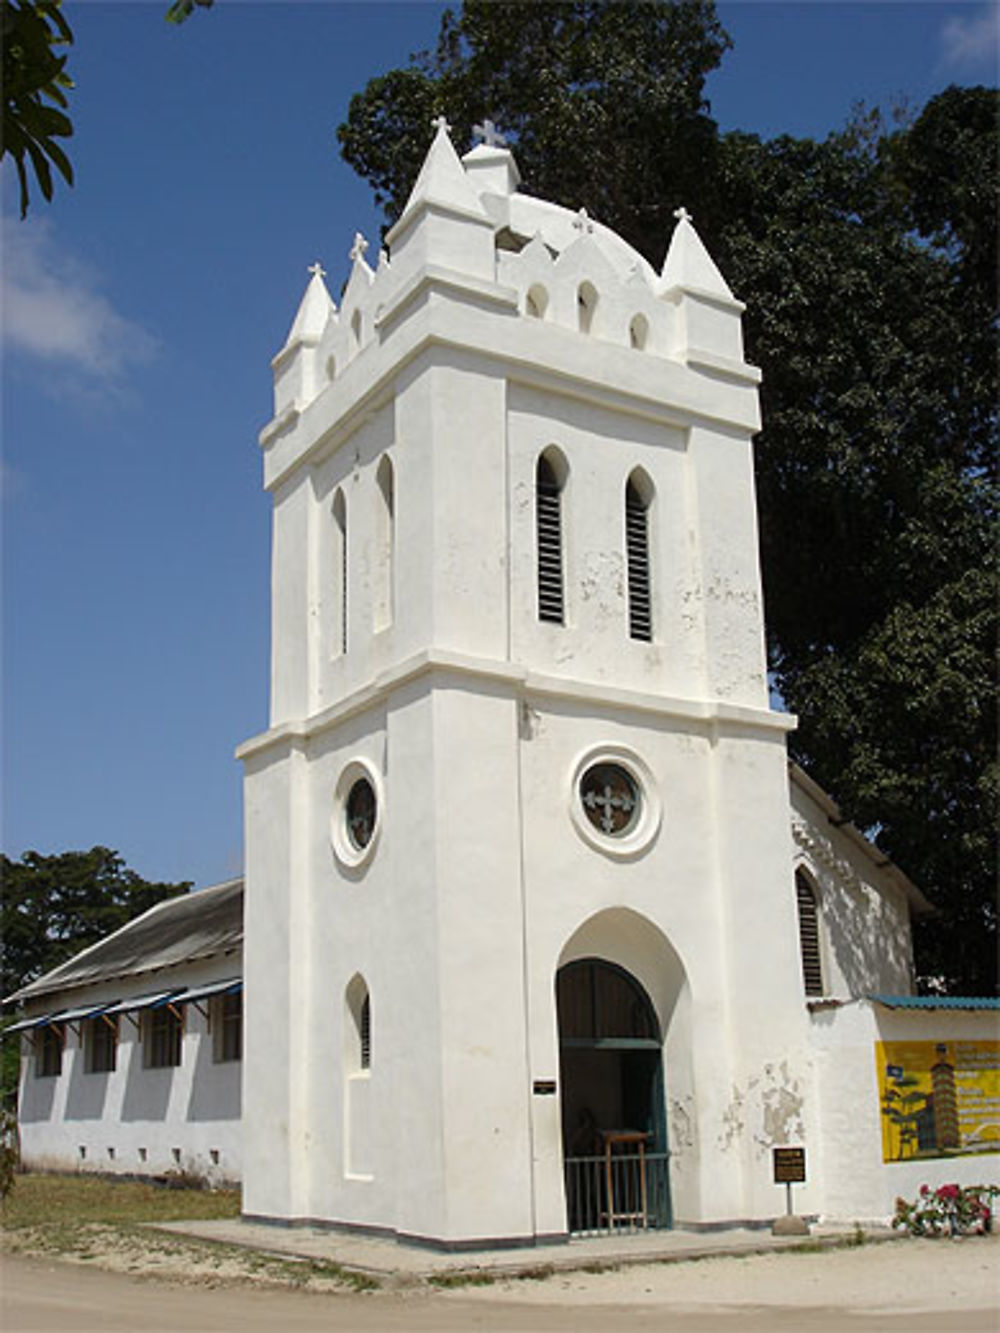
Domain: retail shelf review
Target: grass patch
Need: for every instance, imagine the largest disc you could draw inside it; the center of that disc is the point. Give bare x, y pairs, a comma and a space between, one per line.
100, 1220
470, 1279
43, 1200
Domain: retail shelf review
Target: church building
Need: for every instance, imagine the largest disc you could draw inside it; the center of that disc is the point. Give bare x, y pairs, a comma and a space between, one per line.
521, 895
542, 933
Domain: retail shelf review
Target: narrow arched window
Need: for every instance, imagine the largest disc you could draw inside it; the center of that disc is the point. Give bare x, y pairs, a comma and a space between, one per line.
548, 522
638, 493
586, 304
339, 618
638, 332
385, 502
358, 1044
365, 1033
356, 328
809, 944
536, 302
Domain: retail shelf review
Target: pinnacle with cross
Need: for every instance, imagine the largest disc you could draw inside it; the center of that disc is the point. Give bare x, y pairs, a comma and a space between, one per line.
488, 135
317, 270
682, 215
441, 123
357, 250
582, 222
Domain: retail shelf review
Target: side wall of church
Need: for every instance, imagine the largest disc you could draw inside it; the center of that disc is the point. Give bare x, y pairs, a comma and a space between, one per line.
857, 1182
857, 903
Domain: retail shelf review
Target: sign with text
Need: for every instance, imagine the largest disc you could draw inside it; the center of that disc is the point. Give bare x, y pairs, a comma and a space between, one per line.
938, 1099
789, 1166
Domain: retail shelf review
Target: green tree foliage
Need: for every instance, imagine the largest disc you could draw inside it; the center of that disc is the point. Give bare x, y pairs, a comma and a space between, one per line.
34, 91
868, 264
584, 88
35, 83
54, 906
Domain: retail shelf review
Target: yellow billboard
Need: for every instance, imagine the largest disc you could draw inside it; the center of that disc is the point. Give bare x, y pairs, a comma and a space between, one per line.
938, 1098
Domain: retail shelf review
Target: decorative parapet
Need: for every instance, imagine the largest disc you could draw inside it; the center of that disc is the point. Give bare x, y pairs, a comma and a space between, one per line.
563, 269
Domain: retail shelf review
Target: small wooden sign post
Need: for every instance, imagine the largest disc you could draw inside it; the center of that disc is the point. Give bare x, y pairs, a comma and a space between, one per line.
789, 1170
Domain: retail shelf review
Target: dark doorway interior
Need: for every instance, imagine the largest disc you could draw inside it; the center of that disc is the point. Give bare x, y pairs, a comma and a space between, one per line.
611, 1076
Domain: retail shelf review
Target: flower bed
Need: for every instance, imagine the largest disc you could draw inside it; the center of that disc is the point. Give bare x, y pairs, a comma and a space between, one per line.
949, 1210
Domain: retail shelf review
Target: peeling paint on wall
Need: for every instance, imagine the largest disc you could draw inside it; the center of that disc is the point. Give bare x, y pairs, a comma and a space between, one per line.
681, 1125
732, 1121
781, 1109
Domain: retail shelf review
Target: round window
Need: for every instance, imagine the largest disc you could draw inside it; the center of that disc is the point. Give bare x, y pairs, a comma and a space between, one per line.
360, 810
610, 798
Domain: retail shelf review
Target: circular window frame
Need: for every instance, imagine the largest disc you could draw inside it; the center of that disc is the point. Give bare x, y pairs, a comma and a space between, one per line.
345, 850
620, 846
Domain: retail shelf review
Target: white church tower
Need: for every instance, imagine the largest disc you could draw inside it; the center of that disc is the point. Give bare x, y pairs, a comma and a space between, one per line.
518, 862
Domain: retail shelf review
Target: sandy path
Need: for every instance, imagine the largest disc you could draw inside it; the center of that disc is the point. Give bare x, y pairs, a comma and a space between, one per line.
894, 1277
909, 1287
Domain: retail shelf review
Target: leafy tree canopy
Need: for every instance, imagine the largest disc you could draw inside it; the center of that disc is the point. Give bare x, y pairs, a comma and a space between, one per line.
35, 83
54, 906
868, 263
34, 91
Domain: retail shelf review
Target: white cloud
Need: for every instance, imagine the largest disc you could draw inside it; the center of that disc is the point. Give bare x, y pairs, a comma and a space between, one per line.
53, 308
970, 44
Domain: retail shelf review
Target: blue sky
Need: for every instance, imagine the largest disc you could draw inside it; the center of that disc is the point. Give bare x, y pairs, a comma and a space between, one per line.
140, 314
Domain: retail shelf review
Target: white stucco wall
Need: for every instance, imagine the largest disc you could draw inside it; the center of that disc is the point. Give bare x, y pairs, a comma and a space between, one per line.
135, 1120
855, 1183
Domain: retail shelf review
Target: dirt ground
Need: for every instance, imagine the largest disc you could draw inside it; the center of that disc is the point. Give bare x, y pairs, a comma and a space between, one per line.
912, 1285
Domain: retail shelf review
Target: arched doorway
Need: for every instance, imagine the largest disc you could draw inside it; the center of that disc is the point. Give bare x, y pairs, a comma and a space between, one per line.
613, 1106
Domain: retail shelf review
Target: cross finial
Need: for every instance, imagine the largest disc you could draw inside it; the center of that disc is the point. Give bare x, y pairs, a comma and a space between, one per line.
582, 222
359, 247
682, 215
441, 123
317, 270
488, 134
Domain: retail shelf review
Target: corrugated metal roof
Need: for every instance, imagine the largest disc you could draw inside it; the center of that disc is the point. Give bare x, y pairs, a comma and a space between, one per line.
178, 930
937, 1001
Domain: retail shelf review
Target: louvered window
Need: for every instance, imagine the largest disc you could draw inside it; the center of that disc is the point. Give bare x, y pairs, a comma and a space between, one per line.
365, 1027
812, 963
640, 614
548, 516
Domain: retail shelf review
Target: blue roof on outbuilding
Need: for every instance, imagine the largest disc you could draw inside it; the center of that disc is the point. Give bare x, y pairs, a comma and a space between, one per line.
937, 1001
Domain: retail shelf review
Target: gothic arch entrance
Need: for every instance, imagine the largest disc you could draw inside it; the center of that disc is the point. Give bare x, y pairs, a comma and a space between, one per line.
613, 1108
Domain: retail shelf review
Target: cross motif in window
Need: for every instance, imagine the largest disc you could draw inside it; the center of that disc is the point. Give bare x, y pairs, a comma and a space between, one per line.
608, 801
488, 134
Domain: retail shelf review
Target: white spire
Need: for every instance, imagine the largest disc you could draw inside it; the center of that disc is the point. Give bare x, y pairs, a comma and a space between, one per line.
688, 264
314, 311
442, 182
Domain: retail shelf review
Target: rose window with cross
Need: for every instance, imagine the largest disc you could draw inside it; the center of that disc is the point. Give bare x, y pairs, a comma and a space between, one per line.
610, 798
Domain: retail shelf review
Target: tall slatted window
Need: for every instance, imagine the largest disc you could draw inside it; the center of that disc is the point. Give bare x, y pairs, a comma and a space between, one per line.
358, 1032
340, 572
365, 1026
640, 608
548, 519
809, 946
